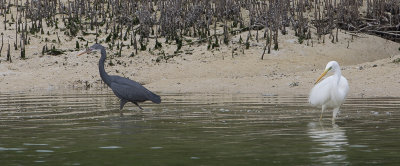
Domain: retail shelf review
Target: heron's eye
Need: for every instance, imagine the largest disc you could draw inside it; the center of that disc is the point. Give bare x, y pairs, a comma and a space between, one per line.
330, 68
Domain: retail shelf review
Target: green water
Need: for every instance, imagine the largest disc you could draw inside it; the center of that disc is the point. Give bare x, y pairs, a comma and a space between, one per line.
195, 129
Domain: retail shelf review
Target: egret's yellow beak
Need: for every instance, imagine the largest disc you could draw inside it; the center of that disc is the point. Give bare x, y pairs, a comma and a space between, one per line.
85, 52
322, 75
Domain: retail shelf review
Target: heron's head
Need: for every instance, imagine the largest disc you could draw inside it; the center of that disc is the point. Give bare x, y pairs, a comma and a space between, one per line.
331, 66
93, 48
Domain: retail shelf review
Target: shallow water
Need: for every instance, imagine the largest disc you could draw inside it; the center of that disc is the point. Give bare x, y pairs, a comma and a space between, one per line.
85, 128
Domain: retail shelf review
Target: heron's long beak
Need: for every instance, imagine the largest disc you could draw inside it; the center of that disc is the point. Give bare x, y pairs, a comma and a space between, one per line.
85, 52
322, 75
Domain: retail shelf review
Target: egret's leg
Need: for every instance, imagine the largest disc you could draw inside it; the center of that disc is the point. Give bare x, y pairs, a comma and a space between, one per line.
322, 111
334, 114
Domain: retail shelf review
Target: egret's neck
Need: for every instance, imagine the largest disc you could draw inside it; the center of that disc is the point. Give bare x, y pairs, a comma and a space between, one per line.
103, 74
338, 74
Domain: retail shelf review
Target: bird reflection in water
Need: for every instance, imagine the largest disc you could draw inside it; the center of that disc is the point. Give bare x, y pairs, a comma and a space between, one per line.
330, 143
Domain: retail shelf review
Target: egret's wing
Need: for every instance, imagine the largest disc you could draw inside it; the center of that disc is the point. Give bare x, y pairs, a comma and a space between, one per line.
132, 91
321, 93
343, 88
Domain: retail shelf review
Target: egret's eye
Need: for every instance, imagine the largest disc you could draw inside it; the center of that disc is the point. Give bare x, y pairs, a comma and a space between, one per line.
330, 68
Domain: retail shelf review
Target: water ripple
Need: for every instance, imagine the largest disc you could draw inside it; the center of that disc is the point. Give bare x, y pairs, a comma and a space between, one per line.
110, 147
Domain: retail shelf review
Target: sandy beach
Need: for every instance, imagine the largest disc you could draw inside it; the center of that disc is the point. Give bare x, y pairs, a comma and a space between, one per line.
366, 61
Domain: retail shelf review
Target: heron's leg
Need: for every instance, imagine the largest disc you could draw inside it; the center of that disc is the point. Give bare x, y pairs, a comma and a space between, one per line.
137, 105
322, 111
122, 103
335, 112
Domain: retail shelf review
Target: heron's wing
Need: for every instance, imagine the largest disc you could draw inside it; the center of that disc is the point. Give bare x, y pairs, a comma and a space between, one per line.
131, 90
321, 93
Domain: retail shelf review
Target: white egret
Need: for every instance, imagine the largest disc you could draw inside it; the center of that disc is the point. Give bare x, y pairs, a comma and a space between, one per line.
330, 92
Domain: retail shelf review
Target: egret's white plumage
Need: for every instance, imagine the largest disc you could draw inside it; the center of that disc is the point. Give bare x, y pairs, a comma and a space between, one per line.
330, 92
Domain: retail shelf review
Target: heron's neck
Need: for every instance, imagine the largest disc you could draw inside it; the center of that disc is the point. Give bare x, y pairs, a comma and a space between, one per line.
103, 74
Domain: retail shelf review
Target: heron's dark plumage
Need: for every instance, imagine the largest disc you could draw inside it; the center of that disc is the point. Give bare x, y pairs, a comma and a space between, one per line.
125, 89
129, 90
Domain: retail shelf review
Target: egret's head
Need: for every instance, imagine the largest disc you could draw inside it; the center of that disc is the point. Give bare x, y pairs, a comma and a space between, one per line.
331, 66
92, 48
